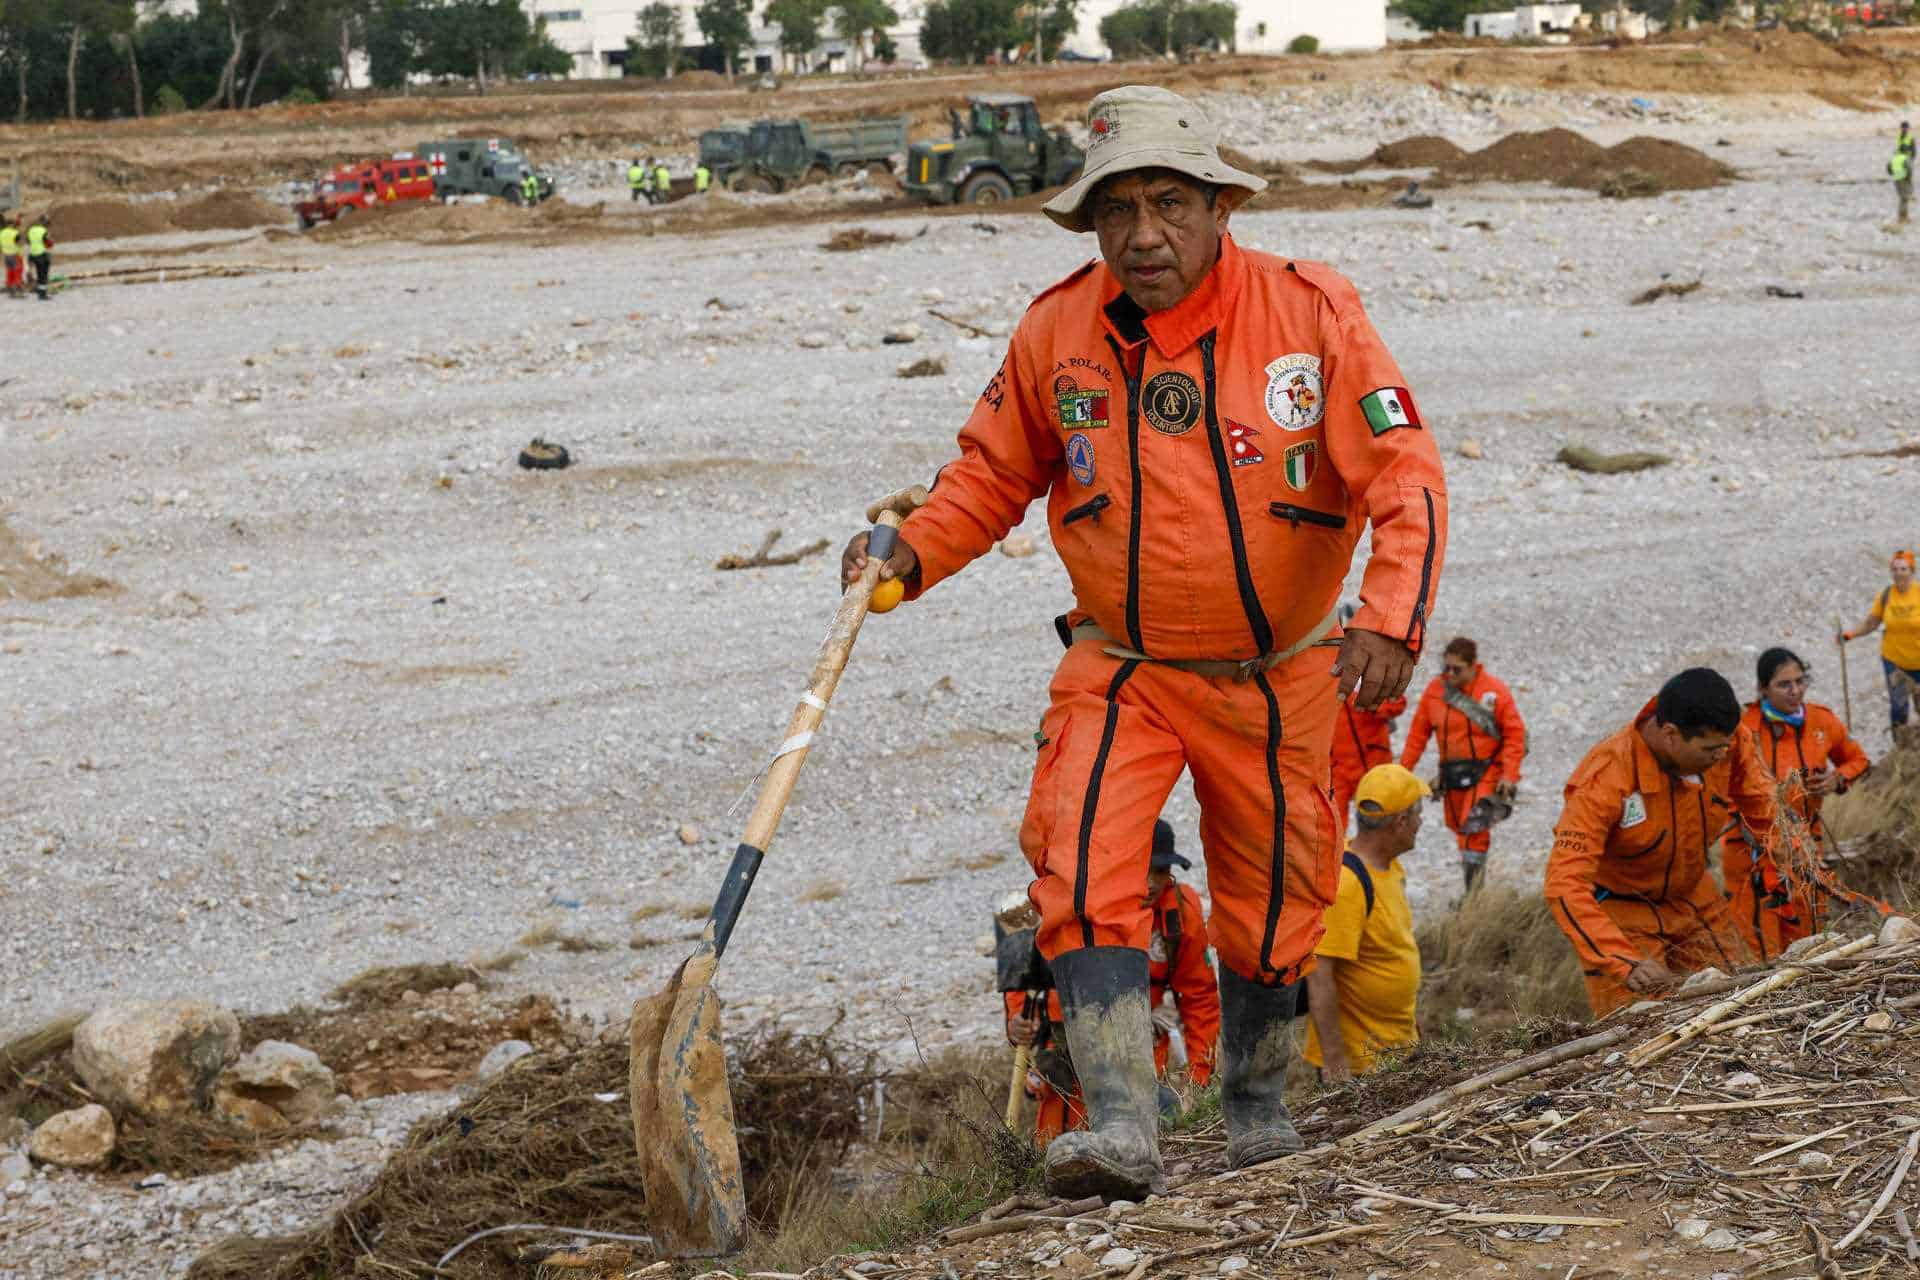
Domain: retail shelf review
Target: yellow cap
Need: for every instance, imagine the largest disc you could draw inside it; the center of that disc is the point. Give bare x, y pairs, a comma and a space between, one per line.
1390, 788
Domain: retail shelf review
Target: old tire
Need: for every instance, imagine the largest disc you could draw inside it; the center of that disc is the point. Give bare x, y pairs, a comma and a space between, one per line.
539, 455
510, 194
816, 173
758, 184
847, 169
306, 223
986, 188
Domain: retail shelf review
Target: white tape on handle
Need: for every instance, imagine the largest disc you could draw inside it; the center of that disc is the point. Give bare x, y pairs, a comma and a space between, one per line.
808, 699
798, 742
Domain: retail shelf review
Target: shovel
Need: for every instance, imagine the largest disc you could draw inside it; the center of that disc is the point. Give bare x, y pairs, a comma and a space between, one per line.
682, 1110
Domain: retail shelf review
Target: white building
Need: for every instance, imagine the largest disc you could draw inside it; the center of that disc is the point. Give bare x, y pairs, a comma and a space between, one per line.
1401, 28
1527, 21
595, 32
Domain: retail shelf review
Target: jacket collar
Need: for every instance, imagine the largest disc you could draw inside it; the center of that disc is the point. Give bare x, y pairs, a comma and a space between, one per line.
1180, 326
1649, 775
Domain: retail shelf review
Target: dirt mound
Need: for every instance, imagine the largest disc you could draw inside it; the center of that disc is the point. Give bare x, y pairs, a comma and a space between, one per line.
1424, 151
229, 211
28, 571
699, 80
1565, 159
427, 223
108, 220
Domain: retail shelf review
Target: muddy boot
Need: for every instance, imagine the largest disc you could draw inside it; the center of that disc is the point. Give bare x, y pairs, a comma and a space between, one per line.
1256, 1037
1470, 869
1103, 991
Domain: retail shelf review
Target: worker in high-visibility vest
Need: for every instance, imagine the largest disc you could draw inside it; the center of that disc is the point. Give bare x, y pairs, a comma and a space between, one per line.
637, 179
39, 243
702, 177
1901, 169
662, 183
11, 257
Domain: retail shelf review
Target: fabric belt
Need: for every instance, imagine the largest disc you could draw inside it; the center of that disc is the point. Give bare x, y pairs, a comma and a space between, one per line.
1213, 668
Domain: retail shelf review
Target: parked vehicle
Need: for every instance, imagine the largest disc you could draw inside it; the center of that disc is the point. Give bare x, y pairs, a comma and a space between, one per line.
773, 155
359, 186
998, 151
480, 166
10, 193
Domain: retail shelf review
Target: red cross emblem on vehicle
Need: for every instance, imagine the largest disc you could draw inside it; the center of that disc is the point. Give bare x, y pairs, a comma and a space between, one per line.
493, 144
437, 162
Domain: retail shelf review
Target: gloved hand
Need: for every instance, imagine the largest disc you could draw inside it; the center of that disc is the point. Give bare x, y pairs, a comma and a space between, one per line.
1506, 791
1166, 1018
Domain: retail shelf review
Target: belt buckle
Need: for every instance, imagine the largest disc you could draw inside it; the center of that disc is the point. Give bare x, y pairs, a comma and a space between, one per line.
1249, 669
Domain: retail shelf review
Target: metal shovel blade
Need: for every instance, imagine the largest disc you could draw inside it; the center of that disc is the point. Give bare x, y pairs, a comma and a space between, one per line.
683, 1116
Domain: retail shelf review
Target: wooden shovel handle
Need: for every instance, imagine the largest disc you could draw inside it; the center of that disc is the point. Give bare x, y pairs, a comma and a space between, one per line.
1017, 1086
902, 502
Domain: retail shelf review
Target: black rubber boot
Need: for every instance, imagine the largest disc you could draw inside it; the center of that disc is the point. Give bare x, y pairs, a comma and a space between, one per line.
1103, 992
1256, 1039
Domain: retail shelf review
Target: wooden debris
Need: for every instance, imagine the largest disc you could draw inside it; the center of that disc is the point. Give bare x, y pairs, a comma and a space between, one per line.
973, 329
764, 557
1581, 458
1886, 1197
1666, 289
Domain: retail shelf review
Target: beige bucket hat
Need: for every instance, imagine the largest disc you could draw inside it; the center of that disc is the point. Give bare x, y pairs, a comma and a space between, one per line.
1138, 126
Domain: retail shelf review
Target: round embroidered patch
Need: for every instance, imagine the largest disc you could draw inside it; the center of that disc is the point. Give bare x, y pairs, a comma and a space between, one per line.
1080, 458
1172, 403
1296, 397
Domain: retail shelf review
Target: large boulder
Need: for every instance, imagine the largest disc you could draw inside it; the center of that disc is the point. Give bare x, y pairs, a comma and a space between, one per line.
79, 1139
159, 1058
289, 1079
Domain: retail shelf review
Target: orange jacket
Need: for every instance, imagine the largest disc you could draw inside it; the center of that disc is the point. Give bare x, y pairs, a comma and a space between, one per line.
1630, 829
1821, 741
1207, 467
1176, 958
1363, 739
1459, 739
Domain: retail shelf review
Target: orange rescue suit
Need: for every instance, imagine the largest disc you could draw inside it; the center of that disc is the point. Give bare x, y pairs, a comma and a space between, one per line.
1627, 879
1176, 961
1459, 739
1208, 470
1361, 740
1795, 910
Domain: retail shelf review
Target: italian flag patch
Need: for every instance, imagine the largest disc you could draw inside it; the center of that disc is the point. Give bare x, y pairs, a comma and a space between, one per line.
1390, 407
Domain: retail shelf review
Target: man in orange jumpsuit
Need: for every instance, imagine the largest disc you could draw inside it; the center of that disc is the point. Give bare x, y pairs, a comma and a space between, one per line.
1361, 740
1177, 963
1807, 749
1212, 429
1627, 880
1482, 741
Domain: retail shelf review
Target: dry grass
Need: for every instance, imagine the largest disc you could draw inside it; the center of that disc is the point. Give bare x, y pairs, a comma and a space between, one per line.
692, 910
924, 367
981, 861
918, 878
1877, 829
384, 984
1497, 961
543, 934
575, 943
648, 912
855, 238
499, 962
822, 891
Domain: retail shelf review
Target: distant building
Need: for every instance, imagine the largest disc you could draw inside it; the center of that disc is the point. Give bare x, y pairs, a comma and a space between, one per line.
1401, 28
1527, 21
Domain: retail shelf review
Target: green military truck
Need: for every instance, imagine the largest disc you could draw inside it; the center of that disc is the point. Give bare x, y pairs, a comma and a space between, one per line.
479, 166
773, 155
999, 151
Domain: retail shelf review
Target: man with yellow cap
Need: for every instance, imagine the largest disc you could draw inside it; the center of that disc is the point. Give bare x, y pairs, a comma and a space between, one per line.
1363, 991
1213, 430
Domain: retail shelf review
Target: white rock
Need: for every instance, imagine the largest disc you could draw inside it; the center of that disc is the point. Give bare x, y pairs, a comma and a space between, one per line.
1119, 1258
1815, 1160
14, 1168
1465, 1173
1741, 1080
1899, 929
1700, 978
500, 1057
1692, 1228
1719, 1240
287, 1077
1228, 1266
78, 1139
814, 339
1017, 546
158, 1057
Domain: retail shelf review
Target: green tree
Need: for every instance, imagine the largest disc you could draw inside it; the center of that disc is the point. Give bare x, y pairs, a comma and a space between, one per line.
655, 45
1149, 27
392, 32
1446, 15
474, 37
799, 23
857, 20
727, 25
970, 30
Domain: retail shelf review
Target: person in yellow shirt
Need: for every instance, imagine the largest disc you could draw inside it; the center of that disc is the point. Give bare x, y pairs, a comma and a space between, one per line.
1897, 608
1365, 984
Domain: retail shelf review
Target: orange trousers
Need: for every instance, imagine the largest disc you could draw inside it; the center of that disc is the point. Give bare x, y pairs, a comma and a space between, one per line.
1767, 930
1117, 735
1346, 774
1684, 931
1457, 805
1057, 1112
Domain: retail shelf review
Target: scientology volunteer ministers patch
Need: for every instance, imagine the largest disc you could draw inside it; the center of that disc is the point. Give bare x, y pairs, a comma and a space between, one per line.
1390, 407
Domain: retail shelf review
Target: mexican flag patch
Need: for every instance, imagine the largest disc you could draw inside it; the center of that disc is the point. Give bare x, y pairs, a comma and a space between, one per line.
1390, 407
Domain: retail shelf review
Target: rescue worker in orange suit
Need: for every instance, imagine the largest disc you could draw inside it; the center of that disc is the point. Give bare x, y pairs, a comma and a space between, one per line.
1361, 740
1177, 967
1481, 740
1805, 747
1212, 429
1627, 880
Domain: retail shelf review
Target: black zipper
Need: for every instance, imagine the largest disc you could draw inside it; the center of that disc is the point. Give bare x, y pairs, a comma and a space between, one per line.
1417, 624
1132, 380
1092, 507
1223, 470
1297, 516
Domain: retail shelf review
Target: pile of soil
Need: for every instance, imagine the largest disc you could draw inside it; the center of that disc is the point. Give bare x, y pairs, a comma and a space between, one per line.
108, 220
28, 571
1565, 159
1423, 151
229, 211
425, 222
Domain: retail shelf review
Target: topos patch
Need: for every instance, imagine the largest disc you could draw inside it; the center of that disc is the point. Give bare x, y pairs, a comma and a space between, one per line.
1172, 403
1296, 395
1633, 812
1390, 407
1300, 461
1079, 408
995, 392
1080, 458
1240, 443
